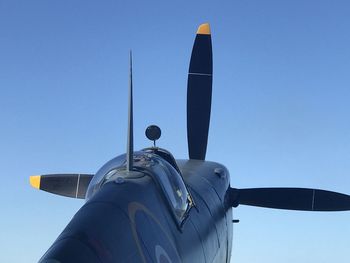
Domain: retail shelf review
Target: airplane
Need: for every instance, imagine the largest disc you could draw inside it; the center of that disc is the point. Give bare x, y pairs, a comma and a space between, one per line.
147, 206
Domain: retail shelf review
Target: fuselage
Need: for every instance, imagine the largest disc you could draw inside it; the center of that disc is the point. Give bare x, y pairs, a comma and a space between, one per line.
144, 215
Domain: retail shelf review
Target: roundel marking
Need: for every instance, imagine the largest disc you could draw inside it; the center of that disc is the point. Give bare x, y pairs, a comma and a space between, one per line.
161, 255
136, 211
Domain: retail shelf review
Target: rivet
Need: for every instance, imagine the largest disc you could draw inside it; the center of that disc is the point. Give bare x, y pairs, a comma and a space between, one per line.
119, 180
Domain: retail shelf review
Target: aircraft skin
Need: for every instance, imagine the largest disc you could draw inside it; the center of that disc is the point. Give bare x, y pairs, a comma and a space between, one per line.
145, 206
131, 221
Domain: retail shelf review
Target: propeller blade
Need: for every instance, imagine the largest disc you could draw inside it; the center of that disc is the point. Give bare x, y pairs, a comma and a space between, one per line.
199, 90
291, 199
70, 185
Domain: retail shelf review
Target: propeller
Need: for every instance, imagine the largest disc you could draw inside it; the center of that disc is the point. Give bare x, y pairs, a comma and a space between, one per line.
303, 199
199, 91
70, 185
199, 94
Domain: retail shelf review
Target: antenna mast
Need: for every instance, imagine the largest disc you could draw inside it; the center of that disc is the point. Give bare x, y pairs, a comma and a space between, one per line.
130, 140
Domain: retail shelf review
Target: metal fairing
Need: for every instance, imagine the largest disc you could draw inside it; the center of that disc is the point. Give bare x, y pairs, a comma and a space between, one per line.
213, 218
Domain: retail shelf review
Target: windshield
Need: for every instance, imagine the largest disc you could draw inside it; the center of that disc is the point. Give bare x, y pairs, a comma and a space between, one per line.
172, 185
101, 174
167, 177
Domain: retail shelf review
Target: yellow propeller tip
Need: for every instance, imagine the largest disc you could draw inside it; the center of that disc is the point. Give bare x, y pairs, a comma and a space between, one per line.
204, 29
35, 181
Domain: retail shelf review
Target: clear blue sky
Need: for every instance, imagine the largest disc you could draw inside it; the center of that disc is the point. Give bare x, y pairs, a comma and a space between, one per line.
280, 114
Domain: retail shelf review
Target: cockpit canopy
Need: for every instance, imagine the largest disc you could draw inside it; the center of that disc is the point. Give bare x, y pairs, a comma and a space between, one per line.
166, 155
154, 162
